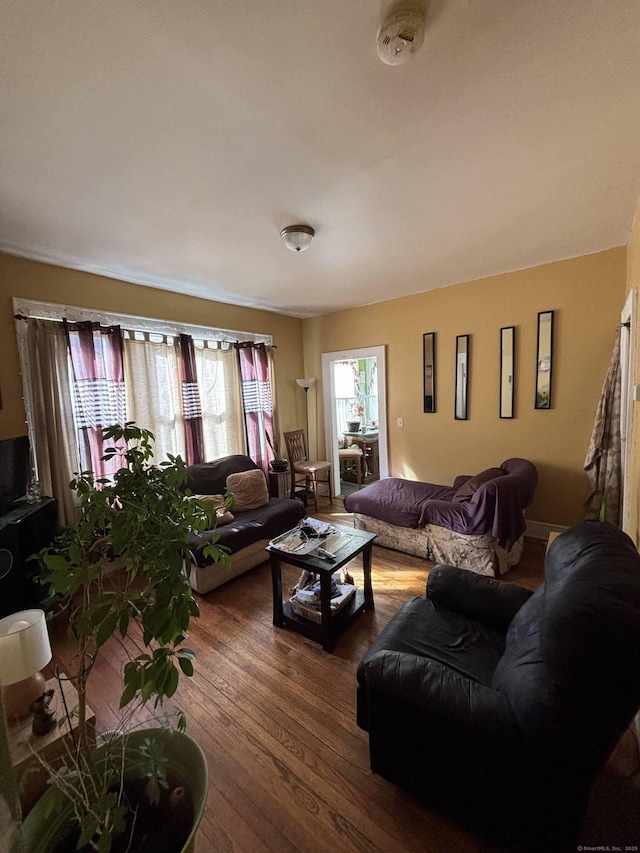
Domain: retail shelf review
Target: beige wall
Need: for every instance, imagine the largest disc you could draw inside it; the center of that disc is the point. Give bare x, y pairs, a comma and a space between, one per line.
587, 294
633, 468
31, 280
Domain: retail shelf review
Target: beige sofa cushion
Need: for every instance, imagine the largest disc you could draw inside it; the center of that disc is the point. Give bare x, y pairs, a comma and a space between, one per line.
223, 515
249, 490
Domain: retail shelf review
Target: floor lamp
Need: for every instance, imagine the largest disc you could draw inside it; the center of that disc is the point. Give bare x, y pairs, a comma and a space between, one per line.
306, 384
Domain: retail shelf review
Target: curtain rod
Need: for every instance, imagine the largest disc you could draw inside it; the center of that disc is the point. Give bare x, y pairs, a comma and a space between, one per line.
236, 342
26, 309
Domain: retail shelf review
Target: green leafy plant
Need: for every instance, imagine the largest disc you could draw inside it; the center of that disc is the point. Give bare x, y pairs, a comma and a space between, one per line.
98, 783
273, 444
123, 564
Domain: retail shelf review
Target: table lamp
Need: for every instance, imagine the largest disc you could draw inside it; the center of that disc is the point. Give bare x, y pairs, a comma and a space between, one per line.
24, 650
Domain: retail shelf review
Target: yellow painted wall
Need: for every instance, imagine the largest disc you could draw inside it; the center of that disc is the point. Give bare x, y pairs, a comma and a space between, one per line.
32, 280
587, 294
633, 467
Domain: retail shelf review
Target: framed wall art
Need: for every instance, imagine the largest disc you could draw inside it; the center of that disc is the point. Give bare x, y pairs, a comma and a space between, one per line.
429, 371
544, 360
462, 378
507, 371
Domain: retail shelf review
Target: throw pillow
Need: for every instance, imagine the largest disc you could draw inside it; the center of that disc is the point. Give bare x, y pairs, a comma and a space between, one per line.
223, 515
467, 490
249, 490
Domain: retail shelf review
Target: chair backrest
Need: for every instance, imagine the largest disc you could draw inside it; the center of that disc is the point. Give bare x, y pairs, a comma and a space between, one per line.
296, 446
571, 666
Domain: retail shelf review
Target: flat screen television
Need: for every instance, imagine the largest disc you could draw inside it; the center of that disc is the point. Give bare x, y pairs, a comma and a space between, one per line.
14, 470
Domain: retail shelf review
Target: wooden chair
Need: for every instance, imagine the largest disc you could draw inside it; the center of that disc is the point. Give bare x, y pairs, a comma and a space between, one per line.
302, 466
350, 455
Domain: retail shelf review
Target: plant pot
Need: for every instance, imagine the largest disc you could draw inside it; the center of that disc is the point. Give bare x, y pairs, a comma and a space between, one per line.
47, 825
279, 464
353, 426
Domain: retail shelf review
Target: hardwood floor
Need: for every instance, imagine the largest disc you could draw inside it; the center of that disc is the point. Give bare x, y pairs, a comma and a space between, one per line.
275, 715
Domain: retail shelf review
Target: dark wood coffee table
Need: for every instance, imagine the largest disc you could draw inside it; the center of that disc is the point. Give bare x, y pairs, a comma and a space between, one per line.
360, 542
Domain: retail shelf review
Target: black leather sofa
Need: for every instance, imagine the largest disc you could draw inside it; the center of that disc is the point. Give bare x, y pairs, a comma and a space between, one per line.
498, 706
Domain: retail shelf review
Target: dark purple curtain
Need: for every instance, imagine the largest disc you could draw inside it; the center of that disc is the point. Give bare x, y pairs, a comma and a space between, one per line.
192, 411
98, 390
257, 401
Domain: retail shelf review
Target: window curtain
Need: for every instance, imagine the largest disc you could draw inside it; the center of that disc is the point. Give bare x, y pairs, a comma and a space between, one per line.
161, 396
256, 400
603, 462
98, 390
54, 441
221, 401
191, 409
154, 391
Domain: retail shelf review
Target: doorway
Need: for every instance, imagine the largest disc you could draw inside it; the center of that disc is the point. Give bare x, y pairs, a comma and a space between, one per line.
361, 399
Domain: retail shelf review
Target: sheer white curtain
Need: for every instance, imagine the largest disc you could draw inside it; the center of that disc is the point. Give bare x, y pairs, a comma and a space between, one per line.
53, 435
154, 392
221, 401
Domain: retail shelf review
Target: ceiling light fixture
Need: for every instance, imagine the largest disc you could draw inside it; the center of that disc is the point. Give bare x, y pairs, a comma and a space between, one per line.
297, 238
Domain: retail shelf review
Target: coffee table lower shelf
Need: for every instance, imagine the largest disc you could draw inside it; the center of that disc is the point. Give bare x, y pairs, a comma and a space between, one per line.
316, 630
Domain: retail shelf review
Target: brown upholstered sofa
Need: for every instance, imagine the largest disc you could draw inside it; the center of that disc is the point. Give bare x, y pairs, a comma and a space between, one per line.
247, 535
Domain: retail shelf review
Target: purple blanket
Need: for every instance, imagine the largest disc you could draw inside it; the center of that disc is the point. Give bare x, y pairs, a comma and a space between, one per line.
496, 507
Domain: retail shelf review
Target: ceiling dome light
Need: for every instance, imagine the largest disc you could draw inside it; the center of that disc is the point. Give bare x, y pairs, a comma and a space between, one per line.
297, 238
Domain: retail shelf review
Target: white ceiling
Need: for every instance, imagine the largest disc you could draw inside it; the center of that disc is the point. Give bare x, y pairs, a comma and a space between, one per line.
168, 142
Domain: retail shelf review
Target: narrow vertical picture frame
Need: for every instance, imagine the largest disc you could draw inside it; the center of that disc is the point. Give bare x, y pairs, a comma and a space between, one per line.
507, 371
544, 360
429, 371
461, 412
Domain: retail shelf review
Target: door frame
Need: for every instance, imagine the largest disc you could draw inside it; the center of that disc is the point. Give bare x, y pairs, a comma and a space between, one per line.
627, 395
330, 427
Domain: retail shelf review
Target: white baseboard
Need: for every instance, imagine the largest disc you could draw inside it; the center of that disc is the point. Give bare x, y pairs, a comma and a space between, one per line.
542, 529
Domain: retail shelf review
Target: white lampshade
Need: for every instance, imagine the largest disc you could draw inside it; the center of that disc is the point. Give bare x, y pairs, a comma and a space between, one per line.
306, 383
24, 645
297, 238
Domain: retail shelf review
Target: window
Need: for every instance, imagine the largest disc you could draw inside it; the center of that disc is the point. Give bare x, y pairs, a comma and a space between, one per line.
150, 387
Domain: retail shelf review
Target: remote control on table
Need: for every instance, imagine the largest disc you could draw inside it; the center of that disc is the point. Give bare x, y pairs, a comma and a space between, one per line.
322, 552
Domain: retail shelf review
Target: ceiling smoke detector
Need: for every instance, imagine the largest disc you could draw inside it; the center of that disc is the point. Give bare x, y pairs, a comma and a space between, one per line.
402, 34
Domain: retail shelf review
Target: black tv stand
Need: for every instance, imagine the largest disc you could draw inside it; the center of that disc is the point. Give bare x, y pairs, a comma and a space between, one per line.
24, 529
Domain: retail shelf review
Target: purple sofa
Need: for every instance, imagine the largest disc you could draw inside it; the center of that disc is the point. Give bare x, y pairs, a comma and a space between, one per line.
477, 523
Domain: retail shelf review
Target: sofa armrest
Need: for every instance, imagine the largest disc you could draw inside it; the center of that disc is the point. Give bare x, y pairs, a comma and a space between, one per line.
460, 480
492, 602
428, 685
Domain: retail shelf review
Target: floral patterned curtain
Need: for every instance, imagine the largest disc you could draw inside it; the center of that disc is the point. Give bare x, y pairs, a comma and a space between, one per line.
603, 462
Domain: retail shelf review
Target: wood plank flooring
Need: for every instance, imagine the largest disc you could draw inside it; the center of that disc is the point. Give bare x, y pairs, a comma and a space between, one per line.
275, 715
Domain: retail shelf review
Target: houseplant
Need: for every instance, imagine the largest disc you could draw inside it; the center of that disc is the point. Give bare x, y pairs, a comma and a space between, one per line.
140, 522
277, 463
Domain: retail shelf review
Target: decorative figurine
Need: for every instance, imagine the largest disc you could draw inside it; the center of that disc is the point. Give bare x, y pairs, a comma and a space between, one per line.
43, 716
346, 577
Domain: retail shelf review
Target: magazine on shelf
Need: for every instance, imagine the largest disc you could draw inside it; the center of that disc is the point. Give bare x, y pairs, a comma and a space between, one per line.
311, 611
